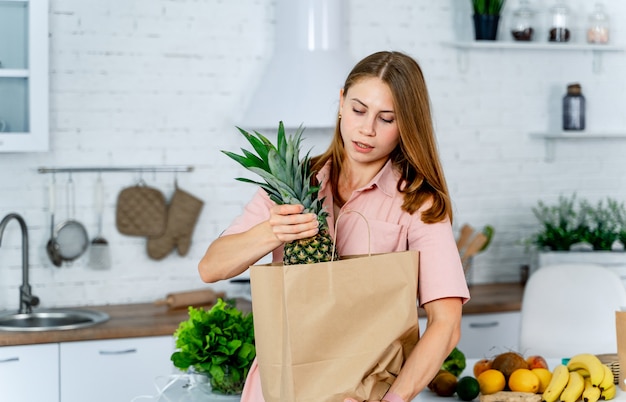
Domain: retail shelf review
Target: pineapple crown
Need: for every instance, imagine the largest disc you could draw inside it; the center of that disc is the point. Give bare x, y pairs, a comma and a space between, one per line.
287, 177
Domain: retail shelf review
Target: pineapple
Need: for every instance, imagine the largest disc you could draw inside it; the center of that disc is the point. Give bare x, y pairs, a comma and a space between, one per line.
288, 181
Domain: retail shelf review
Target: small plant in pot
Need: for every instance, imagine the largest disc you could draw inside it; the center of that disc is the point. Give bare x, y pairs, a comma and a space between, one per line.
578, 224
218, 343
486, 18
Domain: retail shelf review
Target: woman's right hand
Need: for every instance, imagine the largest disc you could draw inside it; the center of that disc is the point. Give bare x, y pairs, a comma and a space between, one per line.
288, 223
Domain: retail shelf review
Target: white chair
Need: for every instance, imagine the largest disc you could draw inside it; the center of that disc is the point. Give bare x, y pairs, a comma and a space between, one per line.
569, 309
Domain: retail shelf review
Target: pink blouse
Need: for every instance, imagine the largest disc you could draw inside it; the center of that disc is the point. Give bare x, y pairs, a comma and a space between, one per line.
390, 229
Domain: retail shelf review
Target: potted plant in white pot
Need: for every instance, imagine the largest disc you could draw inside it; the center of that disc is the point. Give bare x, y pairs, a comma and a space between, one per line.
218, 344
575, 231
486, 18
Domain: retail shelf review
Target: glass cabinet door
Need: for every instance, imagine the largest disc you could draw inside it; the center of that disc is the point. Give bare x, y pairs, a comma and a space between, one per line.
23, 75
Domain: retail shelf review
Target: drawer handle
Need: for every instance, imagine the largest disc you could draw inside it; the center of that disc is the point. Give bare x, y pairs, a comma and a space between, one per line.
10, 359
118, 352
484, 324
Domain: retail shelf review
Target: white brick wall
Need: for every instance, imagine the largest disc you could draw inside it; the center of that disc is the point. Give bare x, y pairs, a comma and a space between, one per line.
165, 82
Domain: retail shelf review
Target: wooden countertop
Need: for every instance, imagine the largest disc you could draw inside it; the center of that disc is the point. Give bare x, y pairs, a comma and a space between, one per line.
147, 319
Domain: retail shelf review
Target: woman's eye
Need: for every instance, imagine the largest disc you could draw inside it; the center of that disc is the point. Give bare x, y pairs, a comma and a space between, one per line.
389, 120
357, 111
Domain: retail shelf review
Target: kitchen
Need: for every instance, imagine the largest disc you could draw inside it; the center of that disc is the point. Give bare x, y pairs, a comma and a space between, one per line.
165, 83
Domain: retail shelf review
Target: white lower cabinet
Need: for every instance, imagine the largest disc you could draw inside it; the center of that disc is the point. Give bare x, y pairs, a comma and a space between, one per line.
113, 370
30, 373
486, 335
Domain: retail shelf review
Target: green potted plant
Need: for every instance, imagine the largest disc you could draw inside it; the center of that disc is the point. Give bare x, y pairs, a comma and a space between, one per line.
571, 223
486, 18
578, 232
218, 343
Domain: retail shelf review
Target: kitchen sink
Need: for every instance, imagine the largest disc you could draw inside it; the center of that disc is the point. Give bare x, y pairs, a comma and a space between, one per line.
51, 320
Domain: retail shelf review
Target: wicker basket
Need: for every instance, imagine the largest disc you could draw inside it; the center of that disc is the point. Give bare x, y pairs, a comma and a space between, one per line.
611, 360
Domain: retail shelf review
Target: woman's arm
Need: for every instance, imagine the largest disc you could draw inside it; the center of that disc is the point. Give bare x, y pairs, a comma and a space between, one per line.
440, 337
232, 254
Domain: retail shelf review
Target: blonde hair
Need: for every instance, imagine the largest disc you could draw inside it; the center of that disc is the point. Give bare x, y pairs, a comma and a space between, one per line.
416, 157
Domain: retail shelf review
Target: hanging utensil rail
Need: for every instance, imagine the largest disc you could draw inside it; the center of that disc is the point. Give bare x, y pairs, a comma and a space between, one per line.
103, 169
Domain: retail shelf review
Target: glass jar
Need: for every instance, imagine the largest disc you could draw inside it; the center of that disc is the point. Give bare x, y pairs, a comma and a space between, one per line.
598, 29
559, 28
523, 22
574, 108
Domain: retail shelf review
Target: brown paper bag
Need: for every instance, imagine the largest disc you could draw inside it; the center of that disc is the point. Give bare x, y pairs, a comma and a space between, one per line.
620, 326
332, 330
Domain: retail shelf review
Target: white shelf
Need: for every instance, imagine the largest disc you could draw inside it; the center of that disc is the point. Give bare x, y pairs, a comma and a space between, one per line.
494, 44
551, 138
596, 50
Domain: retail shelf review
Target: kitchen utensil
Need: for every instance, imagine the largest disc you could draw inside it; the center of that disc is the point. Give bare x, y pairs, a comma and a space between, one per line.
464, 236
474, 246
141, 211
71, 234
196, 298
52, 247
99, 252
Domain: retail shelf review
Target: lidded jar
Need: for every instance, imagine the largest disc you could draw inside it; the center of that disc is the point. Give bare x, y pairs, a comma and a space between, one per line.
574, 108
523, 22
559, 27
598, 29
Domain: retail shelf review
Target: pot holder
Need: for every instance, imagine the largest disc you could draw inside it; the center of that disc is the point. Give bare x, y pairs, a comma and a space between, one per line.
141, 211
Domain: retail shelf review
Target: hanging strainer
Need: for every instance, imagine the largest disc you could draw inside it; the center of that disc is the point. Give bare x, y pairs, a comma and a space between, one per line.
71, 235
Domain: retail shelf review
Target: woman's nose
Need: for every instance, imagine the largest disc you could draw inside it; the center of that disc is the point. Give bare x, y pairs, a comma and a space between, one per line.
367, 128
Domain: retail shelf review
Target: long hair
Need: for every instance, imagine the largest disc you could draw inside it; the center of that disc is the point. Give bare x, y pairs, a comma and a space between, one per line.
416, 157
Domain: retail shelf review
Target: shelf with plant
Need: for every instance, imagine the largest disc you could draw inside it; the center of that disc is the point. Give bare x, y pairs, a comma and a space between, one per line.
577, 225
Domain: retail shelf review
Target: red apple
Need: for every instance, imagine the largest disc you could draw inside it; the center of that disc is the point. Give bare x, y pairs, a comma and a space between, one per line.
536, 361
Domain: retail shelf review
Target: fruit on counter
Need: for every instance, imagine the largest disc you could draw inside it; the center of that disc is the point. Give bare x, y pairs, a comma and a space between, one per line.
536, 361
590, 363
467, 388
608, 393
544, 376
607, 381
508, 362
523, 380
590, 393
444, 383
455, 362
481, 365
574, 388
491, 381
560, 377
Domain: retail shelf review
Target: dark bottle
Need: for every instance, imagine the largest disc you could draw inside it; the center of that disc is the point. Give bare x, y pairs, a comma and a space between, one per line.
574, 108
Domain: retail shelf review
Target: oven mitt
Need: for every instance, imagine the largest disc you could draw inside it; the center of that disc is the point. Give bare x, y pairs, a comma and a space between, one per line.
141, 211
182, 216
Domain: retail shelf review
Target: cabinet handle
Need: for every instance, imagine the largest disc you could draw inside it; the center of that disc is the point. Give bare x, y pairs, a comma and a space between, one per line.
484, 324
10, 359
117, 352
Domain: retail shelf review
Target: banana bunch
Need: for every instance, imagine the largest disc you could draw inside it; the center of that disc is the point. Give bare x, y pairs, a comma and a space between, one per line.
584, 378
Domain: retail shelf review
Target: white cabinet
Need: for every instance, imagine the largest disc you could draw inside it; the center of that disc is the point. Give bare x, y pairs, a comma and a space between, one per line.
24, 122
486, 335
113, 370
30, 373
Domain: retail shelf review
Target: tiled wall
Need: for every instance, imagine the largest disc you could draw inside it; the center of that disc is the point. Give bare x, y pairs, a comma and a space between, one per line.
164, 82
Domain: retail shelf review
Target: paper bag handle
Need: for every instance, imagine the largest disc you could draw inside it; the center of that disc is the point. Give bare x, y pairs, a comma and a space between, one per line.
369, 234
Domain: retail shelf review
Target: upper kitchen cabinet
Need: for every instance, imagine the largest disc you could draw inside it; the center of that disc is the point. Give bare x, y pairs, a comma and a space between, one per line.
24, 75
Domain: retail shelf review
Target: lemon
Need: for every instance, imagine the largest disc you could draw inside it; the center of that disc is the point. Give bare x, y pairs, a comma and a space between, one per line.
545, 376
524, 380
467, 388
491, 381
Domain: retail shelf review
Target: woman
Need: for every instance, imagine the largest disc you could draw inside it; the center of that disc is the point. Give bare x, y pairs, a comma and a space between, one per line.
382, 162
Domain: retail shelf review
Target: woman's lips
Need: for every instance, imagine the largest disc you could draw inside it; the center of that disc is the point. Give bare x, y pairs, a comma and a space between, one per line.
361, 147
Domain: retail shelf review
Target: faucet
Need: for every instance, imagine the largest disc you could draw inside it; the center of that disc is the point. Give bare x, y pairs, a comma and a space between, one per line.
27, 299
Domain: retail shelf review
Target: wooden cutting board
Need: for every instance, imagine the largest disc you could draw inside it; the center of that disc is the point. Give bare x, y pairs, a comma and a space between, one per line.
509, 396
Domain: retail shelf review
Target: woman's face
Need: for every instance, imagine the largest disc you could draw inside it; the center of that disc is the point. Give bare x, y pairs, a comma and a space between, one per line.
368, 124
